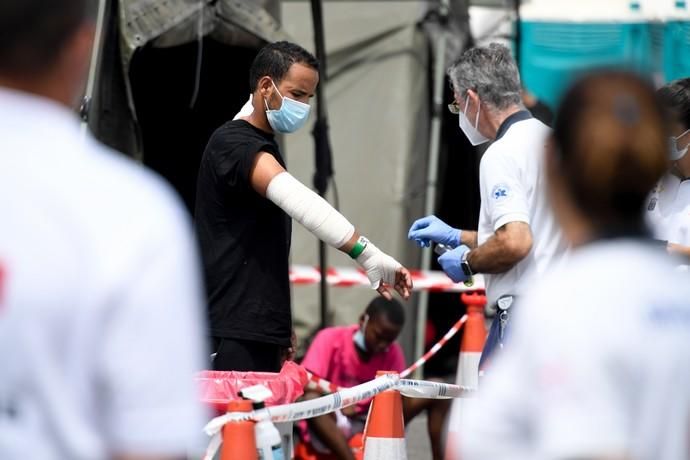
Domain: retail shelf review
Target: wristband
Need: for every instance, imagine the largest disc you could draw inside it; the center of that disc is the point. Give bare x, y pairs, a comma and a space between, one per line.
359, 247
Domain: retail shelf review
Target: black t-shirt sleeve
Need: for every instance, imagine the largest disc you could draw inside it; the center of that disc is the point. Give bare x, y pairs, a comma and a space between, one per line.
234, 152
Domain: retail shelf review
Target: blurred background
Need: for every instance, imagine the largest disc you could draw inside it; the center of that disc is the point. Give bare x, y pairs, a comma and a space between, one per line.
169, 72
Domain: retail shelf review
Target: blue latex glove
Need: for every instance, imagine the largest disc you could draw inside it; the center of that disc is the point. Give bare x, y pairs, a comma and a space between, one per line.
450, 261
431, 228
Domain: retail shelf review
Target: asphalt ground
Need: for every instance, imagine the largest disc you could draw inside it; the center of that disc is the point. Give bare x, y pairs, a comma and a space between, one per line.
417, 439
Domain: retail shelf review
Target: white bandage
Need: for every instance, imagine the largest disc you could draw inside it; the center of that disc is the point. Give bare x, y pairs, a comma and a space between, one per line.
310, 210
378, 265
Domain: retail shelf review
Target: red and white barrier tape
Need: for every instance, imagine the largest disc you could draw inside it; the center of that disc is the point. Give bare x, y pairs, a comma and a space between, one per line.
350, 276
437, 346
331, 403
317, 383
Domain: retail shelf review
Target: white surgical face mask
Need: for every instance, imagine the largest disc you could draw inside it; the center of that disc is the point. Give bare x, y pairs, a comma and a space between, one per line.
291, 115
358, 338
675, 152
472, 133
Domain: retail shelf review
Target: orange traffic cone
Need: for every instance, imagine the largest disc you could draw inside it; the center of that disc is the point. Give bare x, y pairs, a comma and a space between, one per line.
238, 437
384, 433
473, 340
467, 377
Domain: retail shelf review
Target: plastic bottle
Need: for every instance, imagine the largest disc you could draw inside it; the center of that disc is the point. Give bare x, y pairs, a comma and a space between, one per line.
441, 249
269, 446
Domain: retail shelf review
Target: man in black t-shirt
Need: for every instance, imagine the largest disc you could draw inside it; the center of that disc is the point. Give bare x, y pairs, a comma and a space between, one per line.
245, 202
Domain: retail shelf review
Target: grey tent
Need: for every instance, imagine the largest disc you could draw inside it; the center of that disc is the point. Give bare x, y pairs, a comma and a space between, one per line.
170, 71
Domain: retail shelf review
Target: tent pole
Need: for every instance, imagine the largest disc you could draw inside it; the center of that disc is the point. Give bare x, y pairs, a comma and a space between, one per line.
93, 67
322, 145
432, 168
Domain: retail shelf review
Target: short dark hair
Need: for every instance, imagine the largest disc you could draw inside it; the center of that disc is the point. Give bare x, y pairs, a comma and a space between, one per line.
275, 60
676, 96
392, 309
33, 32
611, 140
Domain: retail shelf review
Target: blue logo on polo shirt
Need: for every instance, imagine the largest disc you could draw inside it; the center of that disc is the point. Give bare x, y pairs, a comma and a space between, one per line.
500, 192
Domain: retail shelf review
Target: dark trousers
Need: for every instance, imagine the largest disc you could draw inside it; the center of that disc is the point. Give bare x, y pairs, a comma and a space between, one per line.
246, 355
500, 328
492, 344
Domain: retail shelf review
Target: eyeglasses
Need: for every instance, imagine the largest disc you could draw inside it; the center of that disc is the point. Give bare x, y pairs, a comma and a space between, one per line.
454, 108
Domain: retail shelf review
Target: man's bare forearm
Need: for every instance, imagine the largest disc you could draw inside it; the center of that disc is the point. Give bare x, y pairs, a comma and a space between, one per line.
469, 238
503, 250
491, 257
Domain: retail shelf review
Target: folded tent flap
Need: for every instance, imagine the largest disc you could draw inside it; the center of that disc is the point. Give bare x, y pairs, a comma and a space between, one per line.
166, 23
173, 22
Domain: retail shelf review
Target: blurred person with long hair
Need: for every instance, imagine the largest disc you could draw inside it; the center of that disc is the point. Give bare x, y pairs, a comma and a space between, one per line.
598, 365
668, 207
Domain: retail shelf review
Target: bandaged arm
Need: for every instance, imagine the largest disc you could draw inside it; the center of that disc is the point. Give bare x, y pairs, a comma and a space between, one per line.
331, 227
310, 210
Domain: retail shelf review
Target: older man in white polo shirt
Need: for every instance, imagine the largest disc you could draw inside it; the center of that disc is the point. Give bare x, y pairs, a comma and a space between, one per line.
517, 236
101, 306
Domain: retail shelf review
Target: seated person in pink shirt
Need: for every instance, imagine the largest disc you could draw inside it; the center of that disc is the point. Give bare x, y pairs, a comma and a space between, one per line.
350, 355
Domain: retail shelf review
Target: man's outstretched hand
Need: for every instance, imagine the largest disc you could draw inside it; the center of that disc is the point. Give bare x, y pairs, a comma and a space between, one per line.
385, 272
403, 284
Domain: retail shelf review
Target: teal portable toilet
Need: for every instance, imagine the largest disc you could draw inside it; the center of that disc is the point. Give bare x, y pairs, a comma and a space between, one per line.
676, 40
561, 39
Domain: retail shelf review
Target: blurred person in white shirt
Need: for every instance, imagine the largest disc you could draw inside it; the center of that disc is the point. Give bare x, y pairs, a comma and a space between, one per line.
598, 364
101, 308
668, 206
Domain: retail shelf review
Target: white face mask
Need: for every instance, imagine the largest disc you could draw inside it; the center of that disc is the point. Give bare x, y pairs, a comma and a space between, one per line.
676, 153
291, 115
472, 133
